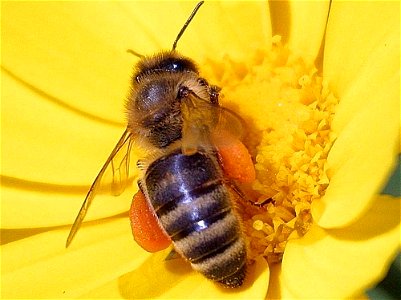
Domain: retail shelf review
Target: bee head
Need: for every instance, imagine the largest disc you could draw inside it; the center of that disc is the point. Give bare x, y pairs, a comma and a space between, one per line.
164, 62
154, 105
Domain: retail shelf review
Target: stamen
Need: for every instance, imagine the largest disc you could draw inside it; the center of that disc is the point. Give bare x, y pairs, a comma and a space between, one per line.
292, 137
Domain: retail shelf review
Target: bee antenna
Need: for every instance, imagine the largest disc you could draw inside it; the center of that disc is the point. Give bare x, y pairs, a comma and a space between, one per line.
135, 53
187, 23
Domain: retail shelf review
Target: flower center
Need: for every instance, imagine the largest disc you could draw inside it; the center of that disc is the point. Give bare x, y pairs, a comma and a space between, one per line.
289, 110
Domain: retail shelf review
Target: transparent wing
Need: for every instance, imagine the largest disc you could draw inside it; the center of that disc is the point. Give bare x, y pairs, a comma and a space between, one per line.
113, 176
208, 125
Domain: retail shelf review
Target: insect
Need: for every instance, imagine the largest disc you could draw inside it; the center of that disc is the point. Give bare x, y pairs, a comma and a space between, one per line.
194, 156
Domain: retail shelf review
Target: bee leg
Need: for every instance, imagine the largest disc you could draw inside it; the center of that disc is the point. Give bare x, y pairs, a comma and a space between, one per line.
214, 94
235, 188
172, 255
213, 90
141, 164
264, 202
140, 187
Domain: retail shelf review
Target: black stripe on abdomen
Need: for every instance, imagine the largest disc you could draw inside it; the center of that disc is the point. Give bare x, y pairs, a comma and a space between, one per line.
195, 211
187, 197
211, 240
175, 175
227, 267
218, 251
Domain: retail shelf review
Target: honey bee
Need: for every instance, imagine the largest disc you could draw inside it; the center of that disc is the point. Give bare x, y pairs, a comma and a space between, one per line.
185, 193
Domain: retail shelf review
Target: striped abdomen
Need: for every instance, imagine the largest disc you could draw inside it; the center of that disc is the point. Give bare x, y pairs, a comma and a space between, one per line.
194, 207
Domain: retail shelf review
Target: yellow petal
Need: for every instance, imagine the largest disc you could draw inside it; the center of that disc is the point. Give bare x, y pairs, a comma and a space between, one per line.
218, 29
27, 208
99, 253
339, 263
52, 155
304, 22
363, 155
77, 50
277, 288
367, 117
45, 142
74, 51
355, 31
157, 279
375, 81
104, 261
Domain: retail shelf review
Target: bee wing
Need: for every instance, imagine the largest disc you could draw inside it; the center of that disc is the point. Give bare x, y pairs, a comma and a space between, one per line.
208, 125
116, 167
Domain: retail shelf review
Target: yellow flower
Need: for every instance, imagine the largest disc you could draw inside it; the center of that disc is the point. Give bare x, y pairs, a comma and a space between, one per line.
65, 76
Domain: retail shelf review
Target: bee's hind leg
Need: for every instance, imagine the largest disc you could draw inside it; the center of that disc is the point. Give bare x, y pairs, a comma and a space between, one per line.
244, 197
